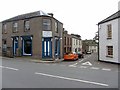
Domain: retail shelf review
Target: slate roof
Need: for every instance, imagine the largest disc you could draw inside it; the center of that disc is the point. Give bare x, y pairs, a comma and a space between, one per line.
112, 17
90, 42
26, 16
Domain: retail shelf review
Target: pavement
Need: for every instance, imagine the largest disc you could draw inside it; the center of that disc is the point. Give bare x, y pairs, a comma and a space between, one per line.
34, 60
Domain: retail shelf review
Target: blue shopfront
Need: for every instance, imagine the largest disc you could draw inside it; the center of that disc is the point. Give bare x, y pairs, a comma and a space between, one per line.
50, 45
47, 48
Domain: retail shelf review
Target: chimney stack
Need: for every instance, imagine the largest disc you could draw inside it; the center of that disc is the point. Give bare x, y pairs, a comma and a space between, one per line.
51, 14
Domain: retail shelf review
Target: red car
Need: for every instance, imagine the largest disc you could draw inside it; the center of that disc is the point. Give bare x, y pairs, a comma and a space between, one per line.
71, 56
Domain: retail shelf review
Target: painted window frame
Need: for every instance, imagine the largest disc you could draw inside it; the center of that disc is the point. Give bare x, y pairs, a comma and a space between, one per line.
15, 27
56, 26
76, 42
109, 51
4, 30
26, 25
109, 31
47, 24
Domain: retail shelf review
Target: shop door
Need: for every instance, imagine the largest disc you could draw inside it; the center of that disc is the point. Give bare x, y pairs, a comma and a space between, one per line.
15, 46
47, 48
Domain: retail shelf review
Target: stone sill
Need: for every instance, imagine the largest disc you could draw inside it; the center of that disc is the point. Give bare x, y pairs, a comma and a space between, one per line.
109, 56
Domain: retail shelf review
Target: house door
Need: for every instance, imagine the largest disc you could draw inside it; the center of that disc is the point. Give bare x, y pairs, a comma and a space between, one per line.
46, 48
15, 46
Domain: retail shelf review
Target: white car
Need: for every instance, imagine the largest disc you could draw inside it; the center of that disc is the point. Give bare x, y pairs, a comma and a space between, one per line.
88, 52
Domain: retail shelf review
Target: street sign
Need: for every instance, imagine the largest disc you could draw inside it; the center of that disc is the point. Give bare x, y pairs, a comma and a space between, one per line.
47, 33
87, 63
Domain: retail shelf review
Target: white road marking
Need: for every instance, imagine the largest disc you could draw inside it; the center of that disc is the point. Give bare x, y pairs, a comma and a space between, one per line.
87, 63
72, 79
9, 68
82, 67
96, 68
106, 69
72, 66
81, 60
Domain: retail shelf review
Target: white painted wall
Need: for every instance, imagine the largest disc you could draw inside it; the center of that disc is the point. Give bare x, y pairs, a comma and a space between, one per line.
0, 54
93, 48
74, 46
103, 42
0, 34
119, 39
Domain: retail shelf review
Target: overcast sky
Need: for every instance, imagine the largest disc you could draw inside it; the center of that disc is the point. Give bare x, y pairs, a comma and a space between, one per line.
78, 16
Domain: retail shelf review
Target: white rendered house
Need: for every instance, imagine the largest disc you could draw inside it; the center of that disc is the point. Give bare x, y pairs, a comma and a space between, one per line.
93, 48
109, 39
76, 44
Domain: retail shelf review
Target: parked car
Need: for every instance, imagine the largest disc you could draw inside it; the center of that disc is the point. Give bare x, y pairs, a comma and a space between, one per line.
88, 52
71, 56
80, 55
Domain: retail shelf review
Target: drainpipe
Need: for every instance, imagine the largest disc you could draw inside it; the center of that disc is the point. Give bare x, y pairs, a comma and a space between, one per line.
98, 42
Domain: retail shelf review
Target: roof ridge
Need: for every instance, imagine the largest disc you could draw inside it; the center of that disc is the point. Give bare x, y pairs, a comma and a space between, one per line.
111, 17
27, 15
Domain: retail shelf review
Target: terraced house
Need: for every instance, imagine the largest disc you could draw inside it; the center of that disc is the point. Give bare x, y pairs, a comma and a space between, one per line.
72, 42
35, 34
76, 43
67, 42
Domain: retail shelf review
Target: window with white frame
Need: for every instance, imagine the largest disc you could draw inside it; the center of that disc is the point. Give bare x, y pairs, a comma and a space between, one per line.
15, 27
79, 42
27, 25
56, 27
76, 42
46, 24
109, 50
109, 31
4, 28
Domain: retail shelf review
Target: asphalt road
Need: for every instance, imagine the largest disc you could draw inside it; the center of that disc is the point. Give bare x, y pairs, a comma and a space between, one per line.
76, 74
